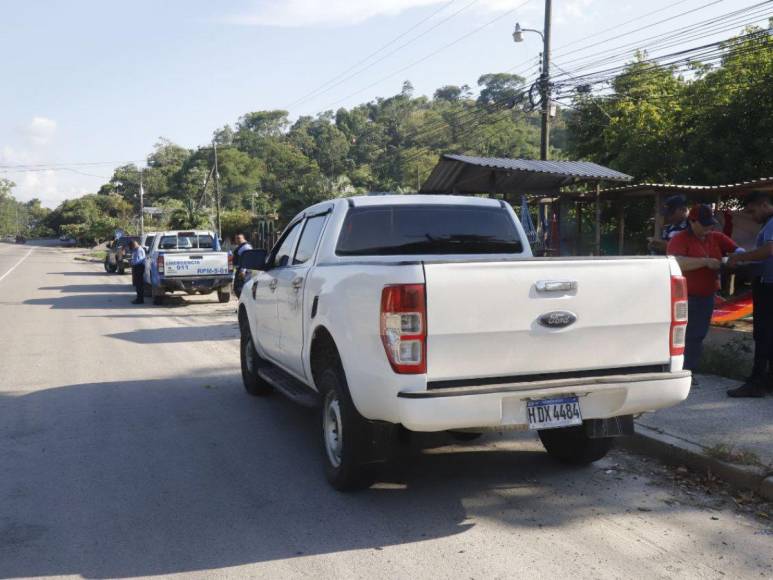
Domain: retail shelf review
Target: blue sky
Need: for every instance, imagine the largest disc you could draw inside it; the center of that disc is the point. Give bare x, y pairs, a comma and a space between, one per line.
89, 81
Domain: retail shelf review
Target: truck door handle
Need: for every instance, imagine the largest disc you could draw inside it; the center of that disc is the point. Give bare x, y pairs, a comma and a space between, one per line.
297, 283
272, 284
556, 285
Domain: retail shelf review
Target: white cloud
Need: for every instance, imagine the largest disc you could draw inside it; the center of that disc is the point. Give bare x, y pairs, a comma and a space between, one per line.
308, 13
40, 130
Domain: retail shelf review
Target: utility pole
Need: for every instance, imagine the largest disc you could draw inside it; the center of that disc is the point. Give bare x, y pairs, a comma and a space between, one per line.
544, 148
544, 78
142, 209
217, 195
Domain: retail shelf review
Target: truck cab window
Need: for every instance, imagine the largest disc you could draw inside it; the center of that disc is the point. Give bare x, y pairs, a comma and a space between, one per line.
281, 255
312, 230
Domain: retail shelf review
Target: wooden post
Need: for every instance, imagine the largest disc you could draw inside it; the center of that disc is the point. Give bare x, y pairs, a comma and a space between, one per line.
658, 215
597, 243
620, 226
578, 211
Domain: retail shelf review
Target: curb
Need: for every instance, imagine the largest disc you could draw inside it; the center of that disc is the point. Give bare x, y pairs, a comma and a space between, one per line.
676, 451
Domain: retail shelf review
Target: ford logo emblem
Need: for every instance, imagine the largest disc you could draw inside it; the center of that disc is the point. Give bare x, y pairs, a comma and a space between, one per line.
557, 319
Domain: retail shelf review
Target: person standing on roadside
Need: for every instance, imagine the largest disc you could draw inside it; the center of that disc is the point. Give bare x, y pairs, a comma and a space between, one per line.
138, 271
240, 274
675, 213
699, 252
759, 207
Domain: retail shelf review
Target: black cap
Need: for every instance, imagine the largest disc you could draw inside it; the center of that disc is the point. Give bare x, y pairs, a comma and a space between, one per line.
673, 203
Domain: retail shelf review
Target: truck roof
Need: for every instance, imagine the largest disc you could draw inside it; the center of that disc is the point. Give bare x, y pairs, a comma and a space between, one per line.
416, 199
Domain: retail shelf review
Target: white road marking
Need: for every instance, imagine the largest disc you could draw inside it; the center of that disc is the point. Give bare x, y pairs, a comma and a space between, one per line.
12, 268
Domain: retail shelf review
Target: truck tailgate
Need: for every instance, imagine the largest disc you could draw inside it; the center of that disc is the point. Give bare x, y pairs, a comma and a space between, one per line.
483, 318
195, 264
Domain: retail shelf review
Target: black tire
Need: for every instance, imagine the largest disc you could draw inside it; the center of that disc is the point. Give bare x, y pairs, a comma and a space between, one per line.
573, 446
223, 297
121, 268
347, 437
251, 362
465, 436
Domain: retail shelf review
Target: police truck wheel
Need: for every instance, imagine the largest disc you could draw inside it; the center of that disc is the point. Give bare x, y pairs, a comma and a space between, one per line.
223, 297
573, 446
346, 435
251, 362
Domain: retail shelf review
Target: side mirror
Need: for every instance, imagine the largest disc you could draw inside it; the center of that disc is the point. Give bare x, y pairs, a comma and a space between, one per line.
253, 259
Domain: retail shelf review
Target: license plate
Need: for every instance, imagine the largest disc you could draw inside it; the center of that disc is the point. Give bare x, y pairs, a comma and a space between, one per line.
553, 413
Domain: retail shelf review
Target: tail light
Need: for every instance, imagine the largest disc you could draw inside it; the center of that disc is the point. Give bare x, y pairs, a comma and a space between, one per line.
404, 327
160, 264
230, 262
678, 315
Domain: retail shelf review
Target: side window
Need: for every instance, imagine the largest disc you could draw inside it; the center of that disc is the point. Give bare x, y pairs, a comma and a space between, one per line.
281, 257
309, 238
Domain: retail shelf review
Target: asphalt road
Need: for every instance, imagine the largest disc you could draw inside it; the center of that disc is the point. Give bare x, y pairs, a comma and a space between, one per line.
128, 448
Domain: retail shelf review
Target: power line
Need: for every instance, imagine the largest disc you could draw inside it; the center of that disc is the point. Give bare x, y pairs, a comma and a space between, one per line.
430, 55
325, 88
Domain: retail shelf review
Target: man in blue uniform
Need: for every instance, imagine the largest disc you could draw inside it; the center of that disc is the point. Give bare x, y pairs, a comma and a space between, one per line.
759, 207
675, 220
138, 271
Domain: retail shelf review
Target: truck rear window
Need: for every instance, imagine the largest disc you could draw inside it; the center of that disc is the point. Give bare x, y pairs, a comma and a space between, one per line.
428, 229
186, 241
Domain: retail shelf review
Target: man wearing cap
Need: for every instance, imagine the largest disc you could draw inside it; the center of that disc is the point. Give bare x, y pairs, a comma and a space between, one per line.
699, 252
759, 207
675, 213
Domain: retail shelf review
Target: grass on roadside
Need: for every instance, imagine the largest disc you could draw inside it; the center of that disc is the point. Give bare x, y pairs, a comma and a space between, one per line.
731, 454
93, 256
732, 359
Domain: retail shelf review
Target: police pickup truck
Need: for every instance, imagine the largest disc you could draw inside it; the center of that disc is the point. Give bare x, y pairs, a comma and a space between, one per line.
188, 261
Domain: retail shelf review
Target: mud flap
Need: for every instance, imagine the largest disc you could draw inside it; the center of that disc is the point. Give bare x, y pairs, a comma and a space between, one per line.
612, 427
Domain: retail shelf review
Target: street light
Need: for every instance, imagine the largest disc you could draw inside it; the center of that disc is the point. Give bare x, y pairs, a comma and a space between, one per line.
518, 33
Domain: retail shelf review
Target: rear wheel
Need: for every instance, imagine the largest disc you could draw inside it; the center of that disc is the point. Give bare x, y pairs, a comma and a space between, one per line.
223, 296
346, 435
251, 362
572, 445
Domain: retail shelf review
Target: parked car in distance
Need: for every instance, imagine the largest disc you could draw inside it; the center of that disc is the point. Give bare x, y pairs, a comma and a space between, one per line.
119, 254
429, 313
188, 261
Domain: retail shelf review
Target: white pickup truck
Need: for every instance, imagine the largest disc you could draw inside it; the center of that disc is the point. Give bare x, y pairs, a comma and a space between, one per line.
189, 261
430, 313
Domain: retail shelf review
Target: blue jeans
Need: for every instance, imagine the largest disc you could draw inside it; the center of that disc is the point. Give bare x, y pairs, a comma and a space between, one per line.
699, 311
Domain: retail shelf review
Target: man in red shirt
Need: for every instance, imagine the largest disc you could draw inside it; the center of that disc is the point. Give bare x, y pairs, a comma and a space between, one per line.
699, 252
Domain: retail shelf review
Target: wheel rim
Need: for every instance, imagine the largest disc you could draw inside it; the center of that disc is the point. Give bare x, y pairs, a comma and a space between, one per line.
333, 431
249, 356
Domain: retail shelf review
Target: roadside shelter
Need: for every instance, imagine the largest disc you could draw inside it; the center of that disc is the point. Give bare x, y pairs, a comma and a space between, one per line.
561, 188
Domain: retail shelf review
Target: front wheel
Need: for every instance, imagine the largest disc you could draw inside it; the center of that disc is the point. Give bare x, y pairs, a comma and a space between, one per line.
572, 445
346, 435
251, 362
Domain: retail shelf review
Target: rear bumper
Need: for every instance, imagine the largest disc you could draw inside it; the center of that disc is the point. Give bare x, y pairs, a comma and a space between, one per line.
505, 405
196, 284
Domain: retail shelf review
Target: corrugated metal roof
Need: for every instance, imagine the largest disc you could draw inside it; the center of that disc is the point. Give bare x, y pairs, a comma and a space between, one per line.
764, 183
468, 174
